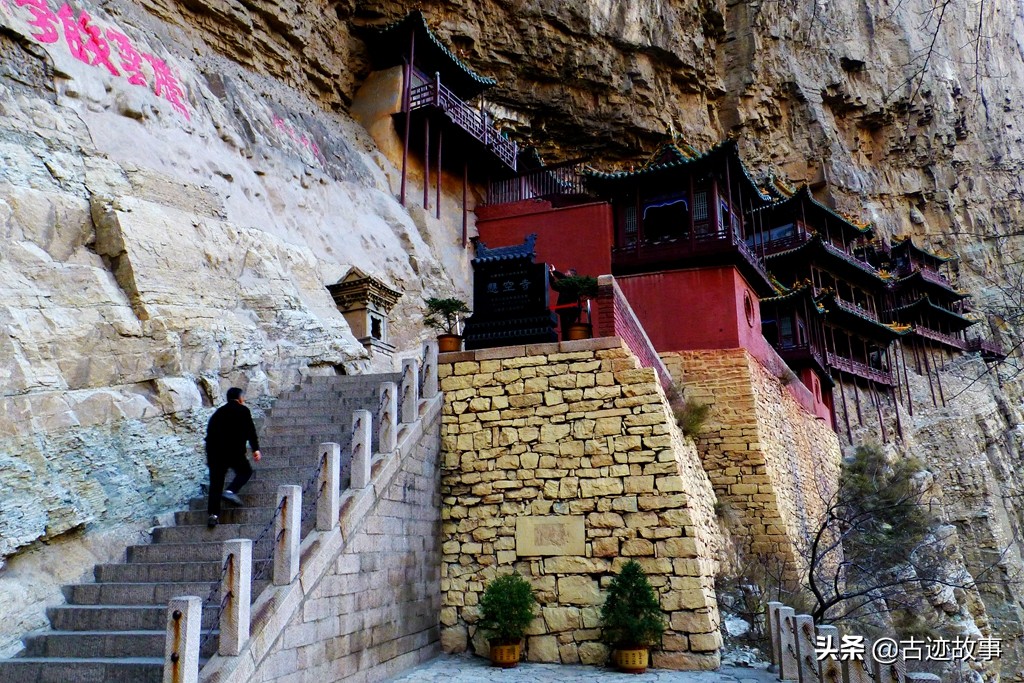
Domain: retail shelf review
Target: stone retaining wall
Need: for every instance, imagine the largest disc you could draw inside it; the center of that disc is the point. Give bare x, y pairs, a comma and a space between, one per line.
560, 462
773, 465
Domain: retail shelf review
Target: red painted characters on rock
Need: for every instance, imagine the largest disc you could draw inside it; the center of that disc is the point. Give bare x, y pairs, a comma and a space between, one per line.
91, 44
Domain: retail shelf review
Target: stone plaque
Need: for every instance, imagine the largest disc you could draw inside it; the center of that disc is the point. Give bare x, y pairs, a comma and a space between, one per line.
550, 535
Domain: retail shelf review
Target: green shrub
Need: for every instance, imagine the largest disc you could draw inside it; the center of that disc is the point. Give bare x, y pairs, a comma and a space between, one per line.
631, 614
691, 416
443, 314
507, 608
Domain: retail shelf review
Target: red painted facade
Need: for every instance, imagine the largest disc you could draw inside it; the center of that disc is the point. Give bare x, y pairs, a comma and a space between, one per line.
579, 236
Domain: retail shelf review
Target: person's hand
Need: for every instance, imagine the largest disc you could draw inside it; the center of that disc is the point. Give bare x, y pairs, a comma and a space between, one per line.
256, 455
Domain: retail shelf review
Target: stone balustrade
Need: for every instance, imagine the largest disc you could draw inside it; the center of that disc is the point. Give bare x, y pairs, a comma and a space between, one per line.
794, 650
184, 614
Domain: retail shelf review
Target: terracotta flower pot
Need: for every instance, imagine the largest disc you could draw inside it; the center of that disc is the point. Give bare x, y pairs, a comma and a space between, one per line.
447, 343
505, 655
631, 660
579, 331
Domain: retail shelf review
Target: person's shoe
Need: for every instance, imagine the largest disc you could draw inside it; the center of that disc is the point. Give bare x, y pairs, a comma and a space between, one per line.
232, 497
211, 521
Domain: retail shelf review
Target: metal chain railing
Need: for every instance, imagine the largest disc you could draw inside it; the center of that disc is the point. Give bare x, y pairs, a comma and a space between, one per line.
260, 567
208, 602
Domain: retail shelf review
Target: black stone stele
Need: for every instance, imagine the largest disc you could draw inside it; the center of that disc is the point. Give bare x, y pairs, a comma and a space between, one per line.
511, 303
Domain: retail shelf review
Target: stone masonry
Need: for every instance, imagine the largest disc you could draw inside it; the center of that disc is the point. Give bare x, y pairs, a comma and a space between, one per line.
773, 465
576, 432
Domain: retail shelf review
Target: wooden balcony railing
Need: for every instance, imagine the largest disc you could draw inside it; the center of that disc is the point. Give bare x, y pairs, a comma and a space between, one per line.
987, 348
800, 352
856, 309
475, 122
940, 337
708, 240
562, 179
853, 367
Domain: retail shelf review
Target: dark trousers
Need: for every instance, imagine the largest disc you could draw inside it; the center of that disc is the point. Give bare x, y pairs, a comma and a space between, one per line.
218, 471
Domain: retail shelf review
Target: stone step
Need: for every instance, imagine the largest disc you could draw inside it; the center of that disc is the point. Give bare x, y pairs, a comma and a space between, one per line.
220, 533
260, 501
233, 515
116, 617
157, 572
143, 593
81, 670
106, 644
197, 552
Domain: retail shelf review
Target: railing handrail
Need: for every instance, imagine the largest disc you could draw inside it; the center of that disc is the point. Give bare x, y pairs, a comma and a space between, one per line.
559, 179
857, 368
929, 333
473, 121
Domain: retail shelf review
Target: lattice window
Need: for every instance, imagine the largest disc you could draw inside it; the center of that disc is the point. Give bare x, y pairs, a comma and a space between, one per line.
630, 234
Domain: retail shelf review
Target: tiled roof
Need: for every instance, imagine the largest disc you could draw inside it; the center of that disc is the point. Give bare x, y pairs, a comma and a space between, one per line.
485, 254
417, 22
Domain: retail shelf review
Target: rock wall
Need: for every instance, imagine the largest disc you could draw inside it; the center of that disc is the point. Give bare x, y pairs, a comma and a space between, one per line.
578, 437
169, 219
773, 465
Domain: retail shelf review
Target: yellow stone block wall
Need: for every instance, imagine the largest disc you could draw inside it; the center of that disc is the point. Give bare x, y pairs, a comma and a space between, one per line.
773, 465
573, 429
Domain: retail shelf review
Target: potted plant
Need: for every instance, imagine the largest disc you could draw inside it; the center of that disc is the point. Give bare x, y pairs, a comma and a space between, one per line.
506, 610
572, 290
632, 618
444, 316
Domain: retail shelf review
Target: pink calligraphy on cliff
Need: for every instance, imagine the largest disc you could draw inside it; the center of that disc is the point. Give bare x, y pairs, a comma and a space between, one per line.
303, 140
91, 44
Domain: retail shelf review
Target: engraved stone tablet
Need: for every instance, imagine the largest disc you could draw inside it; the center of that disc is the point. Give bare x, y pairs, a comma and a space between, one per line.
550, 535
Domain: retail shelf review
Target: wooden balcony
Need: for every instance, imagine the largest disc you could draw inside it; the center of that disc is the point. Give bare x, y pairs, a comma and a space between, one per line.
852, 367
801, 354
560, 180
475, 122
941, 337
856, 309
988, 349
706, 246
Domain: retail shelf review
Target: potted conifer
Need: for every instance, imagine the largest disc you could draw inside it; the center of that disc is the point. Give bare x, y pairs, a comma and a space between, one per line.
506, 610
632, 618
444, 315
572, 290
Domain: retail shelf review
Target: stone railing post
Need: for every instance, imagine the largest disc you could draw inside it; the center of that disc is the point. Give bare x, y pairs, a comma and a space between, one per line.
787, 645
857, 671
772, 626
831, 668
287, 532
430, 369
237, 590
806, 655
328, 505
181, 653
410, 390
387, 429
361, 446
893, 672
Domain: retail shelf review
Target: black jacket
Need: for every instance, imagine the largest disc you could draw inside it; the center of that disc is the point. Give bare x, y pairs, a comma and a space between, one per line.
230, 427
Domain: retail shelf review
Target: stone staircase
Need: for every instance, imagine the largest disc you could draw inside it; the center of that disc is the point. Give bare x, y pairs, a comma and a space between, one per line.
114, 630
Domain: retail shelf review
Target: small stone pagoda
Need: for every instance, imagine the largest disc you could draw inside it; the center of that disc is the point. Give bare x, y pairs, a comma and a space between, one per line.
366, 303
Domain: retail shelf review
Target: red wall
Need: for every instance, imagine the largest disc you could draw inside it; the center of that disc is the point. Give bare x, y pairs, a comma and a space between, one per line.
579, 237
685, 310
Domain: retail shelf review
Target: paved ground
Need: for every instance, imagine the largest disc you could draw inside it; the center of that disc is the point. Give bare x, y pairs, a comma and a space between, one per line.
469, 669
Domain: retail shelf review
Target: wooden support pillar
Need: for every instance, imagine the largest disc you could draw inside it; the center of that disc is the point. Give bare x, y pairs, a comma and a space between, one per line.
426, 163
906, 376
406, 107
465, 203
856, 389
437, 196
897, 394
928, 371
938, 376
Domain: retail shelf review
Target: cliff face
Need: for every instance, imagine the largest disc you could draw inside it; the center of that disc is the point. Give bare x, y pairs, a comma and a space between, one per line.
171, 206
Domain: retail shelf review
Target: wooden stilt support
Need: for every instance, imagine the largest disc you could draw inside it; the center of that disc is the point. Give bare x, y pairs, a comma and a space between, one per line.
928, 370
426, 163
846, 410
938, 375
406, 107
906, 376
465, 203
437, 196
